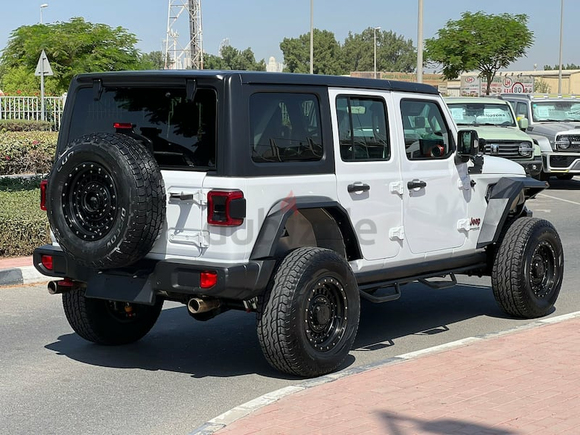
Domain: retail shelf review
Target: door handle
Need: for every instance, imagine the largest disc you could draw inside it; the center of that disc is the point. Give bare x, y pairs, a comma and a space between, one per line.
358, 187
416, 184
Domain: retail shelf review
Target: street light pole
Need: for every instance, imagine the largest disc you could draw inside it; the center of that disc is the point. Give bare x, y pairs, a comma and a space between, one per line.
561, 38
42, 6
420, 44
375, 49
311, 36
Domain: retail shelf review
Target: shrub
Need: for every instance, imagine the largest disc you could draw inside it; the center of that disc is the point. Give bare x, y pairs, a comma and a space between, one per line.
27, 152
23, 125
23, 226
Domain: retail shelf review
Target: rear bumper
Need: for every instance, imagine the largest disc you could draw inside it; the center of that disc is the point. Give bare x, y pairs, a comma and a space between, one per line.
142, 282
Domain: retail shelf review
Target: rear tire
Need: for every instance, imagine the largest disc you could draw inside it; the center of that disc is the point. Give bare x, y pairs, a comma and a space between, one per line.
108, 322
528, 268
308, 318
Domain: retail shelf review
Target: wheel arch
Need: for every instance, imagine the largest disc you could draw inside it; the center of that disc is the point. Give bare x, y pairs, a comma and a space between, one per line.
306, 221
507, 196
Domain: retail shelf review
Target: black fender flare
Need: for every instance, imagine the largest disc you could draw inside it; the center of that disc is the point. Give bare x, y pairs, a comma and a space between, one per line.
503, 197
274, 223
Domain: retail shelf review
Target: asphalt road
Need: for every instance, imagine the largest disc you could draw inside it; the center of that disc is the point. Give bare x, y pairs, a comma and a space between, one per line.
185, 372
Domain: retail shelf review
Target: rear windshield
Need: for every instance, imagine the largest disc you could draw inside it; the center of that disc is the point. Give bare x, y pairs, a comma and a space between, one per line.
180, 132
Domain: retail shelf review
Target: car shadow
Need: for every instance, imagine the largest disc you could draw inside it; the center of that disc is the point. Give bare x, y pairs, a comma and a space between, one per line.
423, 311
573, 184
228, 345
399, 423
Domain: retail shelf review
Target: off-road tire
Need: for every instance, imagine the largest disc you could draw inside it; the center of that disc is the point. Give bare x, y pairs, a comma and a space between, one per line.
528, 268
308, 318
107, 322
106, 200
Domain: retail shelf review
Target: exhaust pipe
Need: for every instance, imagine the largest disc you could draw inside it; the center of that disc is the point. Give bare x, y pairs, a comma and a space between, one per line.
197, 305
62, 286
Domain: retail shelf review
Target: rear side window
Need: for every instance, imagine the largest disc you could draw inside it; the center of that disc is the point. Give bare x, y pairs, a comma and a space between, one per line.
362, 127
285, 127
181, 133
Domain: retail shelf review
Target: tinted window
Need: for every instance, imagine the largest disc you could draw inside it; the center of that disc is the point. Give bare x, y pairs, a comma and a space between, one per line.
362, 127
285, 127
426, 133
180, 132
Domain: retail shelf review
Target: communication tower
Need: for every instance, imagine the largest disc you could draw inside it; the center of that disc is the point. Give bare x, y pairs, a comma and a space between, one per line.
190, 55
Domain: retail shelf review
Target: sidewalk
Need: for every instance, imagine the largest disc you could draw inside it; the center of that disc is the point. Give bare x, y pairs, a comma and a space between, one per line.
526, 381
19, 270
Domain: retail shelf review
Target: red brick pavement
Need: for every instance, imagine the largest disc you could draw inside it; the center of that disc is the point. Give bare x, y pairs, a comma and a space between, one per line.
11, 262
525, 382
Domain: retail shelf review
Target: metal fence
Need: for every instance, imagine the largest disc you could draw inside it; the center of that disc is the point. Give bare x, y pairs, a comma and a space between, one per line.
30, 108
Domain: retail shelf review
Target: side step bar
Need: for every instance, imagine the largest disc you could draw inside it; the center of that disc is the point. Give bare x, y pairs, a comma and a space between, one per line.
393, 296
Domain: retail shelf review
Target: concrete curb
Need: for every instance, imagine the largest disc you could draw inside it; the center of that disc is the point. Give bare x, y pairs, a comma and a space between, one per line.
21, 275
229, 417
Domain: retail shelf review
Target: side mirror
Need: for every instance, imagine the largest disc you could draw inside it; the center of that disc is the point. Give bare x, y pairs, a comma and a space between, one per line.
523, 123
467, 144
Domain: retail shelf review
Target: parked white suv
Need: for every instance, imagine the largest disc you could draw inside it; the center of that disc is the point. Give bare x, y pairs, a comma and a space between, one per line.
553, 122
289, 195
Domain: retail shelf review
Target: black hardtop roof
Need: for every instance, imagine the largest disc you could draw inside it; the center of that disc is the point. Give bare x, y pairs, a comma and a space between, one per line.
256, 77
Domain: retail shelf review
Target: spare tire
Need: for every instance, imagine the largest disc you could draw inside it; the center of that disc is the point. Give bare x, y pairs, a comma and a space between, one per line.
106, 200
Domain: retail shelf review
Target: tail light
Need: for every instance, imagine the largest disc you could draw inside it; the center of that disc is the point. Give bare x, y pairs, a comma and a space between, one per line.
47, 262
226, 208
43, 186
207, 279
122, 126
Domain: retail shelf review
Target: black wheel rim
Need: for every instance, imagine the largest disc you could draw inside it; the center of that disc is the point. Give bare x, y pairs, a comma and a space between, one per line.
326, 314
543, 270
123, 312
90, 201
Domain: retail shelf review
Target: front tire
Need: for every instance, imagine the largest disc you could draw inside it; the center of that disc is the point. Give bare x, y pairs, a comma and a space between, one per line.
308, 318
528, 268
108, 322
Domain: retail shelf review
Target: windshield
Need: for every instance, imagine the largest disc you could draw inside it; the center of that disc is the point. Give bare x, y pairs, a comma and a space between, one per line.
556, 111
482, 114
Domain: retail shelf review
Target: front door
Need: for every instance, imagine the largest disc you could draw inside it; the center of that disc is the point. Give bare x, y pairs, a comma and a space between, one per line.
434, 200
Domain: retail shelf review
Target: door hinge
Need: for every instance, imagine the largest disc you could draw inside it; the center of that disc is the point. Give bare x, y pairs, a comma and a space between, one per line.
397, 187
468, 224
197, 197
397, 233
187, 237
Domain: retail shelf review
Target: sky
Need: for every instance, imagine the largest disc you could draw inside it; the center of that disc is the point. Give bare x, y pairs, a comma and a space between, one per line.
262, 24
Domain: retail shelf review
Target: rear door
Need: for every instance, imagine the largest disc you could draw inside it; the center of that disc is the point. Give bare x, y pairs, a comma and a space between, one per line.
367, 170
181, 134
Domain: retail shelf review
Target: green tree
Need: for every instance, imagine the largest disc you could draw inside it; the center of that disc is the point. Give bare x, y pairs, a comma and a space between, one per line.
72, 47
481, 42
557, 67
19, 81
394, 53
152, 60
328, 56
233, 59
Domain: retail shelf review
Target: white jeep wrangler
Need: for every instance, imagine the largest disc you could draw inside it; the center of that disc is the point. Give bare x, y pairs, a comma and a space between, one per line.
292, 196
